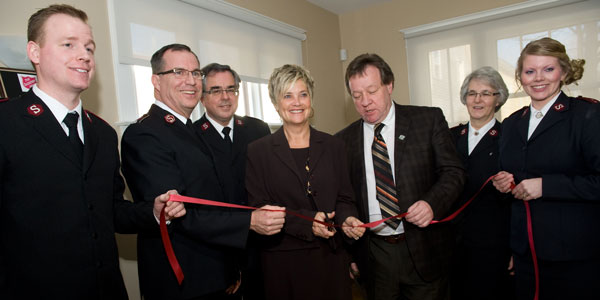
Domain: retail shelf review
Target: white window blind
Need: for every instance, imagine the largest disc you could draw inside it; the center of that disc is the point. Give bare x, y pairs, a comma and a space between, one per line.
438, 62
140, 27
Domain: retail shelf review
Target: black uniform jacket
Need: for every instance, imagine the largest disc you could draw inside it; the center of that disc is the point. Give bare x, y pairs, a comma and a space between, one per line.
161, 153
57, 216
231, 161
485, 222
564, 150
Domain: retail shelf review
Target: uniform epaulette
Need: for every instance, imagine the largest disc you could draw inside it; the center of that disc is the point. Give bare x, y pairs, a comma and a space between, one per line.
142, 118
590, 100
88, 113
459, 125
3, 100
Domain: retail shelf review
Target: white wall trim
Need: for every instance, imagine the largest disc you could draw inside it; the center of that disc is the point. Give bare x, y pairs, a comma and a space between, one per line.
242, 14
484, 16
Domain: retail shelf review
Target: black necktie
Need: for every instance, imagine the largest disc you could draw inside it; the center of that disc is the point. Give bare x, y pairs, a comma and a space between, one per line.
384, 180
226, 131
71, 122
190, 125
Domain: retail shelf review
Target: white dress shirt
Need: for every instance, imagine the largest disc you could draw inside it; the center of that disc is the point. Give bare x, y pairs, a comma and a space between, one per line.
60, 111
535, 121
220, 127
475, 138
388, 134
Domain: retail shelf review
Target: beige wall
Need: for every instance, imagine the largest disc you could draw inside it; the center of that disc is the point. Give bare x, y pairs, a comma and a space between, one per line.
376, 30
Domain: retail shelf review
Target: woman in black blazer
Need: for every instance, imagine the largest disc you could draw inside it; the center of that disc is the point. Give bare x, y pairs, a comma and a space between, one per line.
551, 151
482, 253
305, 171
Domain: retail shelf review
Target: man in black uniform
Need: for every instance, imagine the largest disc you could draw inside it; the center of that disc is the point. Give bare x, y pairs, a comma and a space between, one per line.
61, 193
163, 150
228, 136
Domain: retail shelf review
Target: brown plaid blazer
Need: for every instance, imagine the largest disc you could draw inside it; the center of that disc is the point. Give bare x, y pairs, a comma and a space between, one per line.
427, 167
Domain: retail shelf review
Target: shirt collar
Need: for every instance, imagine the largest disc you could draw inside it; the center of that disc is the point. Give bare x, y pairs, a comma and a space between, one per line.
484, 129
58, 109
546, 107
218, 125
167, 108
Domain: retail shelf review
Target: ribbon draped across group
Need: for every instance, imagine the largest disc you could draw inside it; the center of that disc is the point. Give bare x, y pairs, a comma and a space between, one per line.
178, 198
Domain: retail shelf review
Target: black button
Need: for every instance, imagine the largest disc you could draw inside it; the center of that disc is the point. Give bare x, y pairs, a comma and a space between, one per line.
98, 264
94, 235
90, 206
524, 148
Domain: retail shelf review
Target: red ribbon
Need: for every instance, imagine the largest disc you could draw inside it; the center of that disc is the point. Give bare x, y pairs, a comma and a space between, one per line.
179, 198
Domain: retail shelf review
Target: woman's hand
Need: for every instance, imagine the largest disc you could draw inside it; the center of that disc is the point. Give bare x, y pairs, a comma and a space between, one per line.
321, 230
502, 181
350, 229
528, 189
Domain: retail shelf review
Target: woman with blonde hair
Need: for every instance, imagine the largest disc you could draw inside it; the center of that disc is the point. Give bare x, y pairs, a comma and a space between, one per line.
551, 151
304, 170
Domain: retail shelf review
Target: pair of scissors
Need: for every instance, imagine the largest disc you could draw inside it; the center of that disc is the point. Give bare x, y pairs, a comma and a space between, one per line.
329, 221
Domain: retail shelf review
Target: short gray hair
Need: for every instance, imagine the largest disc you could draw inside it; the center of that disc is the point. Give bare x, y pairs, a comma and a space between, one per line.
489, 76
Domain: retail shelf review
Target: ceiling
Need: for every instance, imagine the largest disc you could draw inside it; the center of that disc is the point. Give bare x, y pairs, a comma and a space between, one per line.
343, 6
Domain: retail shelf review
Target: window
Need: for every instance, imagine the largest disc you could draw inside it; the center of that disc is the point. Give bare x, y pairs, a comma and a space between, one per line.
216, 31
438, 62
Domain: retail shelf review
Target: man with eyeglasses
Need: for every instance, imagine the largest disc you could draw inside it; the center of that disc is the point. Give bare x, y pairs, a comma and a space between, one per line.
401, 159
162, 149
228, 136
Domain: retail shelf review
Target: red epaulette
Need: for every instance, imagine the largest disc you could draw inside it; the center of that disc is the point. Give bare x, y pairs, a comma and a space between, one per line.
459, 125
590, 100
142, 118
88, 113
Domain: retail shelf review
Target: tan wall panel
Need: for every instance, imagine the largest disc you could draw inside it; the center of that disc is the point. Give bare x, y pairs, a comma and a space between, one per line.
376, 30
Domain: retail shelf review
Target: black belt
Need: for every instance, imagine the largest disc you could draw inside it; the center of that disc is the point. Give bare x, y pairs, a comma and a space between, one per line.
392, 239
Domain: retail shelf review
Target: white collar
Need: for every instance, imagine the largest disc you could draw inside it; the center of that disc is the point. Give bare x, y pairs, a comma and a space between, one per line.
58, 109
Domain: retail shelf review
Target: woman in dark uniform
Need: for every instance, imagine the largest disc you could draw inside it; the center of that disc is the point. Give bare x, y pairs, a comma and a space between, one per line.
551, 151
305, 171
482, 253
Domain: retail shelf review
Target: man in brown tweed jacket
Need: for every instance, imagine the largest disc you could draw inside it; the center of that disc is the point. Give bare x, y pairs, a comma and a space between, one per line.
408, 260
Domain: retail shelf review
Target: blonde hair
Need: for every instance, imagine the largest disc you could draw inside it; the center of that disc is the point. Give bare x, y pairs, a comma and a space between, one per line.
572, 68
284, 77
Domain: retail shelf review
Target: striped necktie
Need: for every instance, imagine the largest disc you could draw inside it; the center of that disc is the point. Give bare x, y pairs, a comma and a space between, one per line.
384, 180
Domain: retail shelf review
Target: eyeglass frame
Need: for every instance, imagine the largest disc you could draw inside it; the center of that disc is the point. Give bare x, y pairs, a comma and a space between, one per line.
484, 94
187, 72
219, 92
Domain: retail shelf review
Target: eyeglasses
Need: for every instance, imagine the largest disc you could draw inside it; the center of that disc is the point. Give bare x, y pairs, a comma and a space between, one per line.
217, 92
484, 94
183, 73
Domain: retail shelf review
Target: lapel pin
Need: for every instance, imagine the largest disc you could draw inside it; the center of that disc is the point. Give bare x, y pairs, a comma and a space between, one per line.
239, 122
463, 131
559, 107
401, 137
204, 126
493, 132
525, 112
35, 110
170, 118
